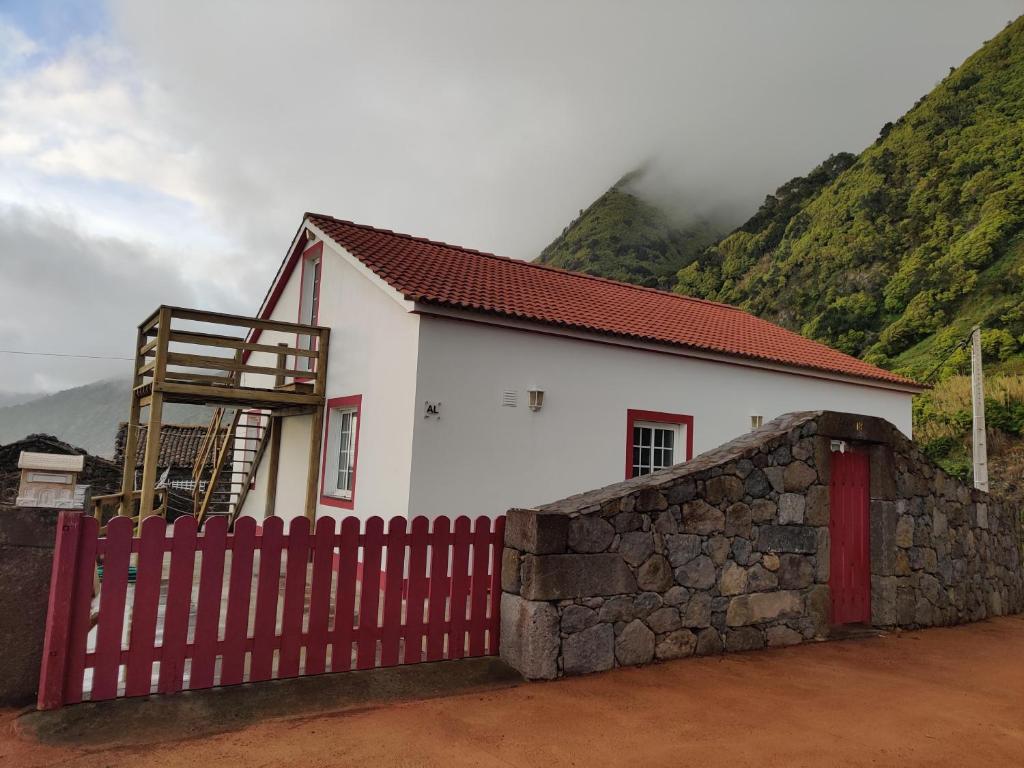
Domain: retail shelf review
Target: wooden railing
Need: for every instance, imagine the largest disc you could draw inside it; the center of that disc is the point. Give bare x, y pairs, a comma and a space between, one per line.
175, 356
108, 506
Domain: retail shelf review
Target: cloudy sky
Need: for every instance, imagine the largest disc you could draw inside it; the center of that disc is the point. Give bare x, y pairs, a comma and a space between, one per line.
163, 152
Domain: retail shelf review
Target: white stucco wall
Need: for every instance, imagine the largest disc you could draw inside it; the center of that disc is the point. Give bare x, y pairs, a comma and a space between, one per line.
373, 348
482, 458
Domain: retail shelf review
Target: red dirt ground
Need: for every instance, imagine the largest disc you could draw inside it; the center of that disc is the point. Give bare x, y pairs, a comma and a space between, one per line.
938, 697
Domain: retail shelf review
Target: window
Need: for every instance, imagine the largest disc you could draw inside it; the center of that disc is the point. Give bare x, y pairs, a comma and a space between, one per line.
309, 301
341, 452
655, 440
756, 422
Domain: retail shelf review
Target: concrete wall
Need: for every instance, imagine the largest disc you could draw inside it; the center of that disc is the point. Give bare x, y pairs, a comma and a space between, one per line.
26, 559
731, 552
373, 352
500, 457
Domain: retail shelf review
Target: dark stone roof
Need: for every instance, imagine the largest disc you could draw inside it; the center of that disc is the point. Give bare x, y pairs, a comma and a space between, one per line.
179, 444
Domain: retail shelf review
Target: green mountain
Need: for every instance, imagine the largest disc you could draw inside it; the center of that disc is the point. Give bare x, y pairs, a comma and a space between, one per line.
903, 249
624, 237
86, 416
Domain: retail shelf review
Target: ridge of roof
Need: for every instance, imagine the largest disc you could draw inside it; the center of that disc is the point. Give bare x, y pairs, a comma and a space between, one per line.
523, 262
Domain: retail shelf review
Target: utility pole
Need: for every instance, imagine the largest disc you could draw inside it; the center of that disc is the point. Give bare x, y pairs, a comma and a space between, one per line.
979, 446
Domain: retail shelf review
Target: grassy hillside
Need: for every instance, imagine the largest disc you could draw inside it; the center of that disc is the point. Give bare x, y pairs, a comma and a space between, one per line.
85, 416
920, 237
624, 237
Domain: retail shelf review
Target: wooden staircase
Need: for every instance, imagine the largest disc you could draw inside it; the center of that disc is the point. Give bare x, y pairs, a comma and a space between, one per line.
227, 462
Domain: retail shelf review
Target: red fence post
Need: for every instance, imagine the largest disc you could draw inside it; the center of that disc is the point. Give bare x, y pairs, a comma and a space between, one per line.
58, 613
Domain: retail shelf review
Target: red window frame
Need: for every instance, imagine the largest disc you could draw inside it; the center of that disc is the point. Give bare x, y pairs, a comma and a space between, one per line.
356, 403
315, 251
634, 415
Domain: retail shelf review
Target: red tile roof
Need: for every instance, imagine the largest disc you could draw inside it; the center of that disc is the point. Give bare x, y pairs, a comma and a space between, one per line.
447, 275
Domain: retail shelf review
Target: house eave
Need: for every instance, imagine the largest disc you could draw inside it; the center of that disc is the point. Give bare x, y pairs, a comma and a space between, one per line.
550, 329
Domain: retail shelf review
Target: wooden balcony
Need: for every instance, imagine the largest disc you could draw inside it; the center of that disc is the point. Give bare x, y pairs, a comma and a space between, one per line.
225, 361
178, 356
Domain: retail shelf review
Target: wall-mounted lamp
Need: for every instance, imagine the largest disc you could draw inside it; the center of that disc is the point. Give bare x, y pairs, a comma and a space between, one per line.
838, 446
536, 398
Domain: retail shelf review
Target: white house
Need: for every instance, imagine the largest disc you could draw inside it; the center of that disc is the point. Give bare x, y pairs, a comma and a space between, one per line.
460, 382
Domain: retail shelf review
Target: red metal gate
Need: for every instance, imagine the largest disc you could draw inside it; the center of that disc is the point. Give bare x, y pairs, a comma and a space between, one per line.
217, 608
850, 563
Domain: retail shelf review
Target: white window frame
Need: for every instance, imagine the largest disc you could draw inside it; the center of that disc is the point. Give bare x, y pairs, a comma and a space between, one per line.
658, 429
332, 475
309, 305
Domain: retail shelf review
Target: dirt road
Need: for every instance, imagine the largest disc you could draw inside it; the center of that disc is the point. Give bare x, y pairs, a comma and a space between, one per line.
938, 697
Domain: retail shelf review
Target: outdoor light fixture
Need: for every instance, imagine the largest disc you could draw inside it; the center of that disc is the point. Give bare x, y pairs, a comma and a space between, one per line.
838, 446
536, 398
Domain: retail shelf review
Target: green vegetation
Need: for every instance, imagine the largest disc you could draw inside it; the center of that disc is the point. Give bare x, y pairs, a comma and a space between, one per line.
895, 254
623, 237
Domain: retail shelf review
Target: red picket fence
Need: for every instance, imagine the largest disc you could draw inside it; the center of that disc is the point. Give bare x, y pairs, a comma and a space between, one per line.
216, 608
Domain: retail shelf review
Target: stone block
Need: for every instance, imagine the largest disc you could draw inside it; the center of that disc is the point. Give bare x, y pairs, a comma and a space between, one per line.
699, 517
590, 533
592, 650
699, 573
791, 508
510, 559
760, 578
636, 546
733, 580
787, 538
561, 577
816, 505
676, 645
780, 635
617, 609
682, 491
744, 639
797, 477
823, 556
651, 500
776, 477
718, 548
738, 520
709, 642
635, 644
795, 571
883, 601
904, 532
539, 534
763, 606
819, 608
724, 488
883, 517
682, 548
756, 484
529, 637
697, 613
576, 618
655, 575
665, 619
764, 511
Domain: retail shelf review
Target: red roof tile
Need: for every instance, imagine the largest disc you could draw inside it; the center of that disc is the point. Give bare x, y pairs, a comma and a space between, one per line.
437, 273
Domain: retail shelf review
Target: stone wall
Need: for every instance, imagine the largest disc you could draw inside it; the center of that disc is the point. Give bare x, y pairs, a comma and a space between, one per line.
730, 552
26, 560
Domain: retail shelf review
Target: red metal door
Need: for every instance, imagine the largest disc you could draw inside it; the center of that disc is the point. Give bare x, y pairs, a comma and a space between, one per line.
850, 563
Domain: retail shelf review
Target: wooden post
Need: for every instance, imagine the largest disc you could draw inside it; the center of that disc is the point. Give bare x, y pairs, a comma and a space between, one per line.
156, 409
58, 614
131, 434
274, 425
316, 429
979, 444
